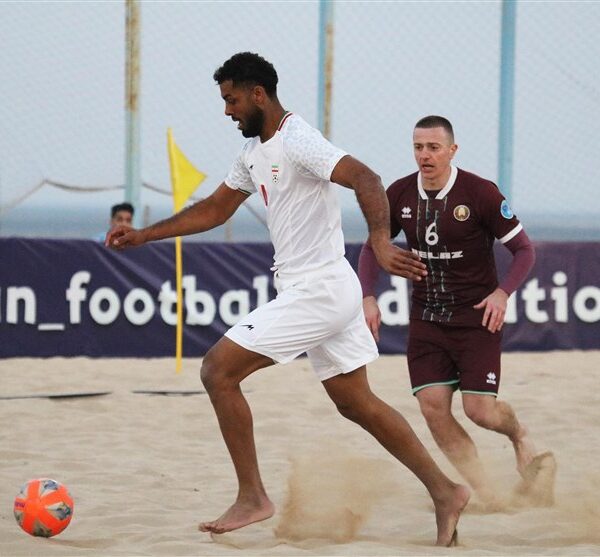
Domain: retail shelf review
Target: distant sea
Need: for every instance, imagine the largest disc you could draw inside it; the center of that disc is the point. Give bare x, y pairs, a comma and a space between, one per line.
88, 223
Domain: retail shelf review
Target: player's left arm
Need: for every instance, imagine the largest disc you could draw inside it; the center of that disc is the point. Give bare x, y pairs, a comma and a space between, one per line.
519, 244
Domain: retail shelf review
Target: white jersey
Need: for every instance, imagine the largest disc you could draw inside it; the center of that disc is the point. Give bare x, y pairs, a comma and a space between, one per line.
291, 172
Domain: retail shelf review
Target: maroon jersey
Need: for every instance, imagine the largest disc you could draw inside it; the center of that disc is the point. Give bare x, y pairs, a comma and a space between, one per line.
453, 231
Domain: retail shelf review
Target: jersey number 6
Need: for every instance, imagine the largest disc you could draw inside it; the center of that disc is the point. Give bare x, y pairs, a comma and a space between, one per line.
431, 236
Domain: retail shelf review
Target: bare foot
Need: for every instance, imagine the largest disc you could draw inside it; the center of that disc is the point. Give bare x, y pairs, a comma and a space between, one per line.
240, 514
536, 489
447, 513
524, 450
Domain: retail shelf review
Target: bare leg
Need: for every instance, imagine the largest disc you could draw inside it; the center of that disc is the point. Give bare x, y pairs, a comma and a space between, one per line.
436, 406
496, 415
223, 368
355, 400
524, 450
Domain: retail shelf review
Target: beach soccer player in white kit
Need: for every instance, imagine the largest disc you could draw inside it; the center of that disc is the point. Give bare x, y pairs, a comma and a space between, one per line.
318, 309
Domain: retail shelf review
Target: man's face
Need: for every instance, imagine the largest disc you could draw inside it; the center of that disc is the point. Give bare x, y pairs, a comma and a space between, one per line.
434, 149
121, 218
241, 107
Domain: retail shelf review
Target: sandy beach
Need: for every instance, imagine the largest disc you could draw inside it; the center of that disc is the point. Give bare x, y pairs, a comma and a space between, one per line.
145, 468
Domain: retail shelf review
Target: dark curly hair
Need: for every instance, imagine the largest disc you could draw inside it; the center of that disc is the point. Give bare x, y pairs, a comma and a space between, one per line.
250, 69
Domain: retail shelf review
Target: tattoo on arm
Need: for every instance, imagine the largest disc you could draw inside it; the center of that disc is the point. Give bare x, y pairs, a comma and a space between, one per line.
373, 203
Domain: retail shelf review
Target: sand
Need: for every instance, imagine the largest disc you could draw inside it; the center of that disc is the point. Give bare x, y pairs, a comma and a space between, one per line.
145, 469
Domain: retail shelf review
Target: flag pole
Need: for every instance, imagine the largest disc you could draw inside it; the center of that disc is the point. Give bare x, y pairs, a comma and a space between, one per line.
178, 257
179, 331
185, 178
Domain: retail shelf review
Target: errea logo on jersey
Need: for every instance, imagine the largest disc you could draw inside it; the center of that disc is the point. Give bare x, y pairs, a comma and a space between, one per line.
491, 378
406, 213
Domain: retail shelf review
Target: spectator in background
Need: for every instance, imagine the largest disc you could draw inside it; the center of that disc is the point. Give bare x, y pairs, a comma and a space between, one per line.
120, 214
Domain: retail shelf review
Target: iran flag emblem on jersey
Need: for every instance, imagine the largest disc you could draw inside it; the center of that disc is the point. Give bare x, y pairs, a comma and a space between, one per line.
275, 173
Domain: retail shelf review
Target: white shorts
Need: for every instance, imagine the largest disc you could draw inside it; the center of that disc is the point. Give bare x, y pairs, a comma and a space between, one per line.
320, 313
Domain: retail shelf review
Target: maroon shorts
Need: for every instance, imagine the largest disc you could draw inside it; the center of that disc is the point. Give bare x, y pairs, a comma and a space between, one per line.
465, 358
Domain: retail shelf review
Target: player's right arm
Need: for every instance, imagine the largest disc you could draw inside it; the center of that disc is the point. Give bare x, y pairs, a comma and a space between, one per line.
201, 216
371, 195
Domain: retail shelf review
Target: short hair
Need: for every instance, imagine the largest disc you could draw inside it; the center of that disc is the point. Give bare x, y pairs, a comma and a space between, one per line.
436, 122
250, 69
121, 207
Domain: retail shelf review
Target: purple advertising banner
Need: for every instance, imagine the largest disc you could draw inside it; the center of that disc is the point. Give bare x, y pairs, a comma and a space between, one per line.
77, 298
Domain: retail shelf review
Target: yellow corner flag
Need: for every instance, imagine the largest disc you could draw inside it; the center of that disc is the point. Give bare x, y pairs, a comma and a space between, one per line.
185, 178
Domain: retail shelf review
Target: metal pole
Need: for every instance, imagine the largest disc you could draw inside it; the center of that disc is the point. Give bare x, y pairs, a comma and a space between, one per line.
133, 180
325, 66
507, 94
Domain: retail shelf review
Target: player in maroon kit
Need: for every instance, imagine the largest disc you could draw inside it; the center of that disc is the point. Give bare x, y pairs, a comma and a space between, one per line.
451, 218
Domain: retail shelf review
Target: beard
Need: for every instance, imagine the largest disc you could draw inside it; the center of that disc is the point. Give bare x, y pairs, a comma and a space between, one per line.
254, 123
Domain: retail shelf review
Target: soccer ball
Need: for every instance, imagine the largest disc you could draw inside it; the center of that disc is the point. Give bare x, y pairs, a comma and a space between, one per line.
43, 507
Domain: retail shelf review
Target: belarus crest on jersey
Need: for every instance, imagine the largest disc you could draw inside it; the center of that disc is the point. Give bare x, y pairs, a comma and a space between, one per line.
275, 173
461, 213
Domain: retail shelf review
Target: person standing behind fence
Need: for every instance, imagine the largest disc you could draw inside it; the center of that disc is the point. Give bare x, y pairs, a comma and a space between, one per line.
121, 214
318, 307
450, 218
